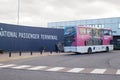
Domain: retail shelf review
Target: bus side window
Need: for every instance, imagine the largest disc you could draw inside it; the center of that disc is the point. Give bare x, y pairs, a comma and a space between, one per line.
89, 31
82, 31
101, 33
97, 33
106, 32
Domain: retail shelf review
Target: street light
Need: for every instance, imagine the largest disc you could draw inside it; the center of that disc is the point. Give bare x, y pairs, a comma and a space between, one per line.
18, 13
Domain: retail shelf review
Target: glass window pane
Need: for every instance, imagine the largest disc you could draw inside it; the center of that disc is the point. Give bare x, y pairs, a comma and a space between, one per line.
82, 31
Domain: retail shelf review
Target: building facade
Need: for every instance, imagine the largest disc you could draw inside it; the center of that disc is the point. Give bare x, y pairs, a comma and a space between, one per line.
113, 23
28, 38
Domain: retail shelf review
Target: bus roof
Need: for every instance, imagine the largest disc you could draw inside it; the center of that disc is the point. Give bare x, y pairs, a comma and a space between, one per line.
94, 27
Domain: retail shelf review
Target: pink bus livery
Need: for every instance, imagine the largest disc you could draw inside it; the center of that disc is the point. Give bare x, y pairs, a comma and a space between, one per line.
82, 39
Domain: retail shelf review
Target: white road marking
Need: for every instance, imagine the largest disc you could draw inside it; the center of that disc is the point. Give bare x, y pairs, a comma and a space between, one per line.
21, 67
55, 69
9, 65
76, 70
45, 68
37, 68
1, 64
99, 71
118, 71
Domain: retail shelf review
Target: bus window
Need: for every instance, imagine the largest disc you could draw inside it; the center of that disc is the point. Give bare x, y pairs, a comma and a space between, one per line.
101, 33
69, 31
107, 32
93, 33
69, 36
89, 31
97, 33
82, 31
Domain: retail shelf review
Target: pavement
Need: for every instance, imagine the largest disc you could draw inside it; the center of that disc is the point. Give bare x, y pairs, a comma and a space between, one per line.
16, 55
97, 66
114, 62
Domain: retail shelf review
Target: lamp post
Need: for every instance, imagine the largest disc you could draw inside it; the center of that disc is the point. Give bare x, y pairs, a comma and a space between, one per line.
18, 13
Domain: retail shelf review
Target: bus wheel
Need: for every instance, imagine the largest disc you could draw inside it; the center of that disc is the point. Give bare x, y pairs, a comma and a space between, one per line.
107, 49
89, 51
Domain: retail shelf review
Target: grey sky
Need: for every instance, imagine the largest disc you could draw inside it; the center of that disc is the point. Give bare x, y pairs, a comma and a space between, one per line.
40, 12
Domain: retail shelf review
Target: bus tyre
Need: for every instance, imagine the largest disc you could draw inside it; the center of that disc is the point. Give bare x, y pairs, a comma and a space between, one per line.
89, 51
107, 49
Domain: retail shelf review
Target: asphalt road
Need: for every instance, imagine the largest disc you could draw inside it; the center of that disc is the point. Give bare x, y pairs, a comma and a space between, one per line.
90, 61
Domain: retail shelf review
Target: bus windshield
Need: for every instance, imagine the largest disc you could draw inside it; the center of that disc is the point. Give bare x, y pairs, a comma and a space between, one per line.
69, 31
69, 35
107, 32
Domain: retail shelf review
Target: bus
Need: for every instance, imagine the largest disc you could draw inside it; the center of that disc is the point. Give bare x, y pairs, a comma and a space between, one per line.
80, 39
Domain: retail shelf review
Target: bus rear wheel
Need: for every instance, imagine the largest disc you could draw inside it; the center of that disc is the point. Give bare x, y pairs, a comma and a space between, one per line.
89, 51
107, 49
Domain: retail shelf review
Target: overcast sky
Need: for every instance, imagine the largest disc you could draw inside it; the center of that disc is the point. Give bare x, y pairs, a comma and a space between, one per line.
40, 12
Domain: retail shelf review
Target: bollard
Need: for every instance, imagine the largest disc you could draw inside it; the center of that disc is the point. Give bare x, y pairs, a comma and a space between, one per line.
9, 54
31, 52
50, 52
20, 53
40, 52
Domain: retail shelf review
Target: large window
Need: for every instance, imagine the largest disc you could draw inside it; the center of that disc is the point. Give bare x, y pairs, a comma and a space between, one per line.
69, 30
92, 32
119, 26
89, 31
82, 31
97, 33
107, 32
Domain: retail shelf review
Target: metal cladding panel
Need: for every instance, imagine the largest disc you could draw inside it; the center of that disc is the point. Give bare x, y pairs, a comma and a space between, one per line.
23, 38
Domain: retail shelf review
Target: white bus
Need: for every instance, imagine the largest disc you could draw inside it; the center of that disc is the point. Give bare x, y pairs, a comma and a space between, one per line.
87, 39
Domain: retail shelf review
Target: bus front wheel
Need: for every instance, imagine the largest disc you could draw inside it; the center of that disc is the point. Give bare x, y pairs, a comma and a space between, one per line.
107, 49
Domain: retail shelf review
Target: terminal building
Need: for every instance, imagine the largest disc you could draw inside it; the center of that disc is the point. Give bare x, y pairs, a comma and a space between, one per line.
29, 38
113, 23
